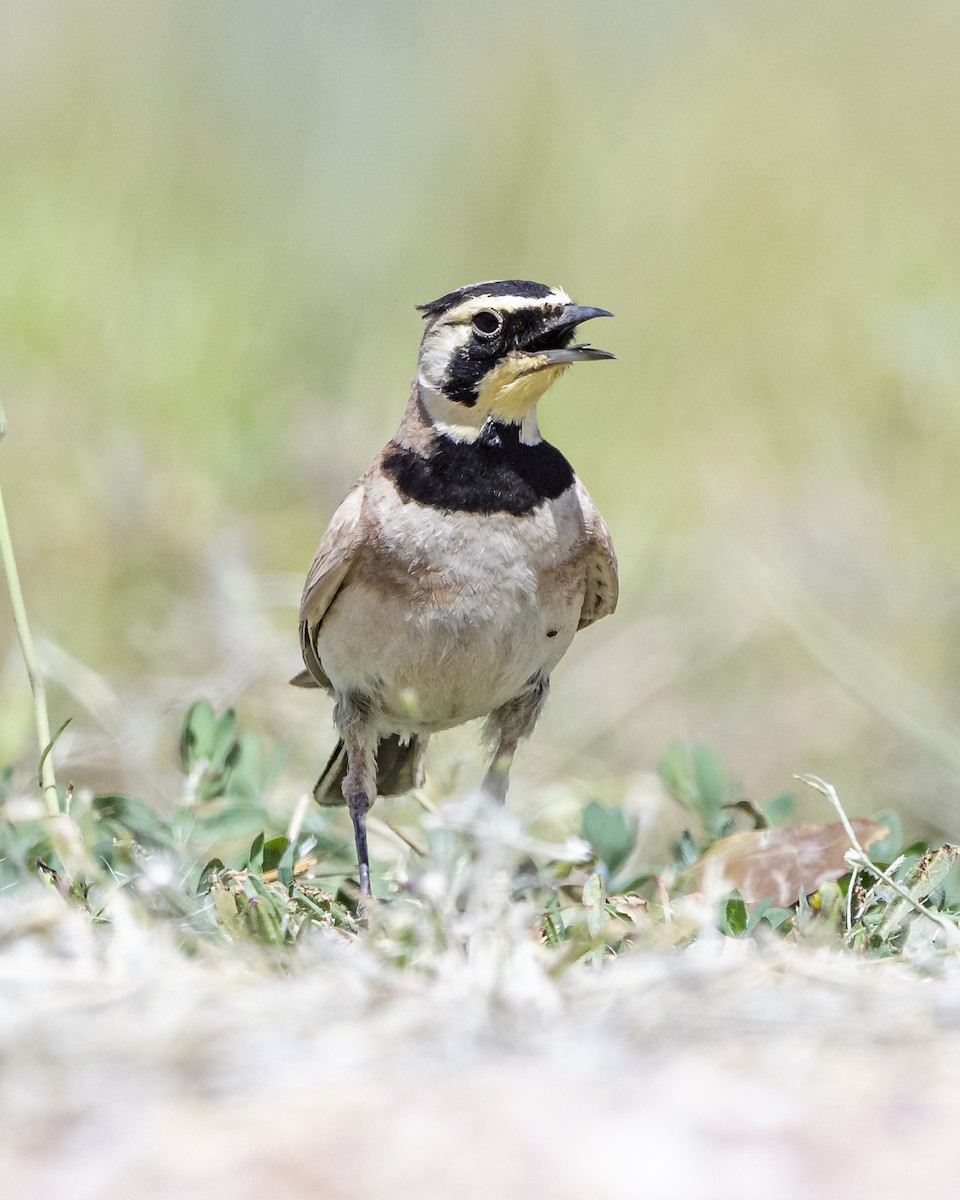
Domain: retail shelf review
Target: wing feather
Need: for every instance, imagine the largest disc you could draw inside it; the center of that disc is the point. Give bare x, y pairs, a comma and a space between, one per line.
330, 567
602, 580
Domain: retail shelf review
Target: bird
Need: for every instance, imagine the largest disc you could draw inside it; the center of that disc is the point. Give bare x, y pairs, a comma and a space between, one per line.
452, 578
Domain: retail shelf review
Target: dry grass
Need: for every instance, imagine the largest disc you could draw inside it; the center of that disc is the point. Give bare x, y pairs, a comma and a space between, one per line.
732, 1070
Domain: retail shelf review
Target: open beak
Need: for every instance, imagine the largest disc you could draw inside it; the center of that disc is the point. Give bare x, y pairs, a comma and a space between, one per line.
571, 316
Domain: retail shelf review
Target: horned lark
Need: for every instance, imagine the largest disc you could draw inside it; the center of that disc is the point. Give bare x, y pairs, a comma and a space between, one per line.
452, 578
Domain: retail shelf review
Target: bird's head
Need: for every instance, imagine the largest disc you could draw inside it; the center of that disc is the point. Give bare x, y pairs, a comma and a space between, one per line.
490, 351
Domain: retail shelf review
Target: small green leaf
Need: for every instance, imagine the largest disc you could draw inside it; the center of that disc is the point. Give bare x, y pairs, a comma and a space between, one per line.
232, 757
224, 738
212, 786
551, 921
733, 917
675, 772
255, 857
754, 918
776, 918
273, 852
232, 824
205, 882
708, 778
888, 849
592, 899
607, 832
134, 816
780, 808
553, 930
244, 764
286, 864
697, 781
196, 734
685, 850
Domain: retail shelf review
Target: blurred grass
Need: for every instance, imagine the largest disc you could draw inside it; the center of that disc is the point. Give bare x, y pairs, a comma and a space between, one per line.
215, 221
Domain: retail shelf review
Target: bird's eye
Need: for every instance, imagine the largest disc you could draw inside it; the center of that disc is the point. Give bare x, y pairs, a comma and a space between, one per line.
487, 322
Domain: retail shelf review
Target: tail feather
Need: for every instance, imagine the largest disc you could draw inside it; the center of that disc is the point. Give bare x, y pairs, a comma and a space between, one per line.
398, 770
304, 680
327, 789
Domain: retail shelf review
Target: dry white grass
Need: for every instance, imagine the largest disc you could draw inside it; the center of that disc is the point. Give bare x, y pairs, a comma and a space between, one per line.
727, 1070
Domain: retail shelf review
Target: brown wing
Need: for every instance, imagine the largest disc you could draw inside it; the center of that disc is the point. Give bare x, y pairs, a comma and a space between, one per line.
331, 563
603, 582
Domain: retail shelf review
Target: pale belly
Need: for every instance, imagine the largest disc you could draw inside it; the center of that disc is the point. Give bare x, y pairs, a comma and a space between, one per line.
477, 621
435, 668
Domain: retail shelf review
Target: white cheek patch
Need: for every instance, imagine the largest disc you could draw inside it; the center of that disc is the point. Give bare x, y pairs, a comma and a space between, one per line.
442, 343
457, 421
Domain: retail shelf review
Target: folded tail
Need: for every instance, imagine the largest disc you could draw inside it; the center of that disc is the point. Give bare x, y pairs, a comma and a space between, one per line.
398, 769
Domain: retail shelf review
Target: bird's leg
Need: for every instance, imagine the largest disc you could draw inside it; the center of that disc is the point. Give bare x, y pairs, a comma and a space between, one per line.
504, 730
353, 717
359, 791
497, 779
420, 748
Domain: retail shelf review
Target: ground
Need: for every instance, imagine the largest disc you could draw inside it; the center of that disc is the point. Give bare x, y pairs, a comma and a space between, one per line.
735, 1068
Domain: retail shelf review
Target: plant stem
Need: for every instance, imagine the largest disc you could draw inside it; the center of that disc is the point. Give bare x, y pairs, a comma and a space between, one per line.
47, 777
858, 858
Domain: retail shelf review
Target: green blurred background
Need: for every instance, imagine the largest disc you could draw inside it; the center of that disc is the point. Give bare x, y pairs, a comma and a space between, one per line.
215, 220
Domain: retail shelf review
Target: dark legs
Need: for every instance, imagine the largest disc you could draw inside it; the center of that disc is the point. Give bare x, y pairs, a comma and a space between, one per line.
359, 817
359, 791
497, 779
352, 715
505, 728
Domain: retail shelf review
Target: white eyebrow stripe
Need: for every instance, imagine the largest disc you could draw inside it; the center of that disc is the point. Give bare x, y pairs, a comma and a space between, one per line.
508, 304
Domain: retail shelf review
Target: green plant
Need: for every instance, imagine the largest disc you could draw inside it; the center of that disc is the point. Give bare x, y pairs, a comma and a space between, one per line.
47, 778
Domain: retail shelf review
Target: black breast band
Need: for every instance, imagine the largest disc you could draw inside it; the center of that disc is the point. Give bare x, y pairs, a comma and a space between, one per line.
497, 473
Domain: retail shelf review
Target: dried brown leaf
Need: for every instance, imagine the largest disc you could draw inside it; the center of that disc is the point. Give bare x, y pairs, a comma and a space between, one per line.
785, 862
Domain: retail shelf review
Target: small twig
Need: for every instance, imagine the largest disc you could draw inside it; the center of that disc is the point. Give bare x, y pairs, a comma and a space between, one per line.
851, 889
664, 893
300, 867
297, 816
55, 878
48, 781
408, 842
858, 858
